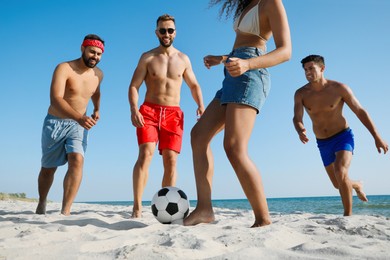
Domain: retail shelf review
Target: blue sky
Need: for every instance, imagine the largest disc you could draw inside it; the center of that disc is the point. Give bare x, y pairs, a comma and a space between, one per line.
352, 35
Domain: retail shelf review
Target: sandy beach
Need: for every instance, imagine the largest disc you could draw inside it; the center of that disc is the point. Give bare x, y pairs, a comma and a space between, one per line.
108, 232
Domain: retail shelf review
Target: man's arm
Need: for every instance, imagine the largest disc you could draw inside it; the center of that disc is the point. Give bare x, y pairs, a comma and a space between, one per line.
57, 92
298, 117
354, 104
136, 82
196, 92
96, 104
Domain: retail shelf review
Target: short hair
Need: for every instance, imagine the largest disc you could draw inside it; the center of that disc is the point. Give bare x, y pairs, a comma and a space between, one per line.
165, 17
93, 37
315, 58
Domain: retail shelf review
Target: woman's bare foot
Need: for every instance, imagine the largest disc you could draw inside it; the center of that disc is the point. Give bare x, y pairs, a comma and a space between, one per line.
199, 216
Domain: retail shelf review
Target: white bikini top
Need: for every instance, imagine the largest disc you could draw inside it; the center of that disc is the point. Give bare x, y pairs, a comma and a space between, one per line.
250, 22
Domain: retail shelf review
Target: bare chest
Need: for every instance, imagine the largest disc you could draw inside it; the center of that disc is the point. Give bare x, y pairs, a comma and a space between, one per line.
322, 102
166, 68
83, 86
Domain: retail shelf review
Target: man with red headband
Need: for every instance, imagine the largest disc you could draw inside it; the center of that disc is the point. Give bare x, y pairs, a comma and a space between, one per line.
65, 128
160, 119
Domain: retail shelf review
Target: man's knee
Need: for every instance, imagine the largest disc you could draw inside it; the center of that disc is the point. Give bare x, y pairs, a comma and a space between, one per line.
75, 160
47, 171
169, 157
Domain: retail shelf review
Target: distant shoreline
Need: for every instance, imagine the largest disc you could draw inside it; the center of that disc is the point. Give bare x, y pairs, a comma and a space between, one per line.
15, 196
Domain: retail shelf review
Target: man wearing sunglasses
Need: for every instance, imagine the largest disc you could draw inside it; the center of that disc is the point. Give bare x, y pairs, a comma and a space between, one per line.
159, 119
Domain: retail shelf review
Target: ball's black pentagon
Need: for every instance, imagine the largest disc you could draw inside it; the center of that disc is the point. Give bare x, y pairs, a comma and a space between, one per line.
182, 194
154, 210
186, 213
163, 192
172, 208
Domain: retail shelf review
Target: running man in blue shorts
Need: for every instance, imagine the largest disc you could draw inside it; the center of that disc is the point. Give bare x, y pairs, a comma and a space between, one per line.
65, 128
323, 100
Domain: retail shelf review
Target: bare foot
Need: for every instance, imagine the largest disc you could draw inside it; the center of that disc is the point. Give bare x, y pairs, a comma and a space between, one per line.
198, 216
41, 208
136, 214
358, 187
261, 223
362, 196
65, 213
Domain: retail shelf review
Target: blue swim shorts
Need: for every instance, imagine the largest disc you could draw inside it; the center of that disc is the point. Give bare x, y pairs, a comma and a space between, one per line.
60, 137
342, 141
250, 88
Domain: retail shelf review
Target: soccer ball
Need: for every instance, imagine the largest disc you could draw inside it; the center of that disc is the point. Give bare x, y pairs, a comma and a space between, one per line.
170, 205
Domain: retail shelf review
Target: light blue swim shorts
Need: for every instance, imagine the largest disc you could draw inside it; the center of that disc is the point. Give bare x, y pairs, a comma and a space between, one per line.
250, 88
60, 137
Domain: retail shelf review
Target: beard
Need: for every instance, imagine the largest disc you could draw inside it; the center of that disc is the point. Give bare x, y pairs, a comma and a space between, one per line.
166, 45
89, 61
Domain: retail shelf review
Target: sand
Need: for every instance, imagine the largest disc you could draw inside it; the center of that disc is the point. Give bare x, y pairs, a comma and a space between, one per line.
108, 232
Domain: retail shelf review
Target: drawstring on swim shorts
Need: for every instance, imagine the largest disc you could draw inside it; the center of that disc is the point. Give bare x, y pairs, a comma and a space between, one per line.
162, 115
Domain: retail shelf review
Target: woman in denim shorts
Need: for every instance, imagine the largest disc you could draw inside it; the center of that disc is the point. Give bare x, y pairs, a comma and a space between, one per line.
236, 104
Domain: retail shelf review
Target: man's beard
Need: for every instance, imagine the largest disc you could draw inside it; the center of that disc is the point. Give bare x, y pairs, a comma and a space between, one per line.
162, 43
88, 61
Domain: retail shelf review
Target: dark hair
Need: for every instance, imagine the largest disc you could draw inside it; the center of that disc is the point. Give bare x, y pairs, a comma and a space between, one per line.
165, 17
230, 6
93, 37
315, 58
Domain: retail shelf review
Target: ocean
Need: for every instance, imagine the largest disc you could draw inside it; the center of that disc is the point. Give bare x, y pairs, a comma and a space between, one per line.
376, 205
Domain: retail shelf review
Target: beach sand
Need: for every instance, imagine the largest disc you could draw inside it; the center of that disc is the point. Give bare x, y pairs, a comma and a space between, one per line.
108, 232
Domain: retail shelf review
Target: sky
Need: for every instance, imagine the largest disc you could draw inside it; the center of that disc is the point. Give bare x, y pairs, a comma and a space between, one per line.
35, 36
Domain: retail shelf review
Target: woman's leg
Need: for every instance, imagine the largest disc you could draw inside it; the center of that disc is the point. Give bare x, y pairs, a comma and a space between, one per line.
239, 124
210, 124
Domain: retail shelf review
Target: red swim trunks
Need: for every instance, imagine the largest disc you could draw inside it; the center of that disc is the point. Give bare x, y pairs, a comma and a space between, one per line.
163, 124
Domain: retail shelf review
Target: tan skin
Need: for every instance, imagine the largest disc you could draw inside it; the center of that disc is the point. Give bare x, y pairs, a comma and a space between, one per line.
163, 70
273, 22
73, 85
323, 100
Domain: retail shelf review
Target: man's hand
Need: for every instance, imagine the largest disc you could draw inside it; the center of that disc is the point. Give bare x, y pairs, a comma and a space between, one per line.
302, 136
87, 122
137, 119
381, 144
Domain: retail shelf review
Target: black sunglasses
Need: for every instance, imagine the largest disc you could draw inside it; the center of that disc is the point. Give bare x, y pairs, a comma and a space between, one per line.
164, 31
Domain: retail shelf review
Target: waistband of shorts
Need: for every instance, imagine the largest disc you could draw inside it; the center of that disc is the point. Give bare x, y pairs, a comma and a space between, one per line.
254, 50
156, 106
49, 116
333, 136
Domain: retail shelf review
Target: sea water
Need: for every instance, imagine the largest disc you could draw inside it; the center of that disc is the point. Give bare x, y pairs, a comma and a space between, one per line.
376, 205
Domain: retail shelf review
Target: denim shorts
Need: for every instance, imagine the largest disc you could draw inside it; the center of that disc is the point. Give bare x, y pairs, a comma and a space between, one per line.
342, 141
60, 137
250, 88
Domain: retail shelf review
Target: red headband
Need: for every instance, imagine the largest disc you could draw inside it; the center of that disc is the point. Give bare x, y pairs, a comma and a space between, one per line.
96, 43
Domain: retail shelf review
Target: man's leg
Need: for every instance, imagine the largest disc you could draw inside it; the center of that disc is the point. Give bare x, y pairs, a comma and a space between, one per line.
356, 185
170, 172
140, 176
45, 180
341, 167
72, 181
